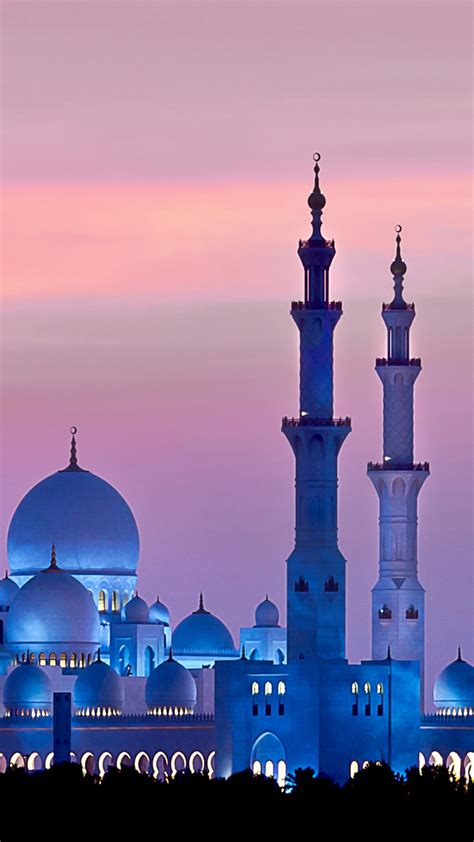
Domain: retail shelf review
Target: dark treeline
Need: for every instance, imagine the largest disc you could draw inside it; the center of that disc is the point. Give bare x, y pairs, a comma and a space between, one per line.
371, 805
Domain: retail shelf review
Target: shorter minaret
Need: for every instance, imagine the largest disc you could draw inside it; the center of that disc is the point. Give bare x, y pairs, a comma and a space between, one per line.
398, 598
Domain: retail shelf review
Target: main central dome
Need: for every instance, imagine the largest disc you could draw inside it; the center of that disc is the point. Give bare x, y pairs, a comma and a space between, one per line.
89, 521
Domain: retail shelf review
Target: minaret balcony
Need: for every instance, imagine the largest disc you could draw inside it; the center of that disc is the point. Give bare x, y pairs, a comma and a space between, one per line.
306, 421
398, 466
315, 305
416, 361
392, 307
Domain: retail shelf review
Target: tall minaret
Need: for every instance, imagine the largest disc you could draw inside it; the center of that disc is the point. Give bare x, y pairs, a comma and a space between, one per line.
316, 568
398, 598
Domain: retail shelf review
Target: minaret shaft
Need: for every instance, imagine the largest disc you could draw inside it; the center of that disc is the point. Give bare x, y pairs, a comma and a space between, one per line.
398, 606
316, 568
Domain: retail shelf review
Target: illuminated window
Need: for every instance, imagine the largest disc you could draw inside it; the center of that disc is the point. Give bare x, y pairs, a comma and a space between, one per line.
73, 660
63, 659
53, 659
255, 688
355, 687
257, 767
367, 691
379, 689
354, 768
380, 699
268, 688
102, 601
269, 769
82, 660
281, 773
42, 659
281, 688
355, 701
115, 601
367, 687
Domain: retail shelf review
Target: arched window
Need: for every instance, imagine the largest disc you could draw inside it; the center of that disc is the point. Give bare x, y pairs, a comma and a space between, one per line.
453, 763
355, 698
268, 688
380, 699
411, 613
73, 660
435, 759
255, 688
385, 613
115, 601
353, 768
281, 773
257, 767
42, 659
269, 769
102, 601
281, 688
367, 691
149, 660
63, 659
53, 659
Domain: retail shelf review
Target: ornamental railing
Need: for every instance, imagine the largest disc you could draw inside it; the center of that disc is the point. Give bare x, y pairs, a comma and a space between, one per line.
315, 305
413, 361
398, 466
306, 421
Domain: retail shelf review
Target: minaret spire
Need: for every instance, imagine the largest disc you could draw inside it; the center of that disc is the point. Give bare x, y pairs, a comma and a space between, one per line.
316, 616
398, 269
398, 598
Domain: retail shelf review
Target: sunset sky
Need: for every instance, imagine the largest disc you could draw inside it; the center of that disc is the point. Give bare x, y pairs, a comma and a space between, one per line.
156, 158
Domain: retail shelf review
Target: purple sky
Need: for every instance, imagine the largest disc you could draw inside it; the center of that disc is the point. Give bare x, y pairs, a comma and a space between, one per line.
155, 161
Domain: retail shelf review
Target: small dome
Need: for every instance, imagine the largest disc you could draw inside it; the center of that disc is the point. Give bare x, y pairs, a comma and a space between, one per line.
53, 612
136, 610
170, 685
267, 614
98, 686
27, 688
202, 634
454, 686
159, 613
8, 589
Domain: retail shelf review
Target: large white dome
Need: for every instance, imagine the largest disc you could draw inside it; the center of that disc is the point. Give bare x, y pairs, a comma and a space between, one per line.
90, 522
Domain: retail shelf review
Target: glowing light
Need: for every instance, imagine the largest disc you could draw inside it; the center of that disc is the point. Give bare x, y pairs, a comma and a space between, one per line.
255, 688
281, 688
257, 767
353, 768
268, 688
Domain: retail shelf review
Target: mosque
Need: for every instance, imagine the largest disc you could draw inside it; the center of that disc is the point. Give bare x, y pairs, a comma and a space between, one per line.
90, 673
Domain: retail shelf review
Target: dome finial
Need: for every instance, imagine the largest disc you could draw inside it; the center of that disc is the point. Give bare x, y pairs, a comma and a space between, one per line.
316, 201
243, 657
201, 609
398, 269
73, 457
389, 654
53, 563
73, 466
98, 659
459, 654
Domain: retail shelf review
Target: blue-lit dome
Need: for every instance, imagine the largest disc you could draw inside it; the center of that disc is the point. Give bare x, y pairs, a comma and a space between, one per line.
159, 613
27, 688
202, 634
53, 612
170, 686
136, 610
90, 522
98, 686
267, 614
454, 686
8, 590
